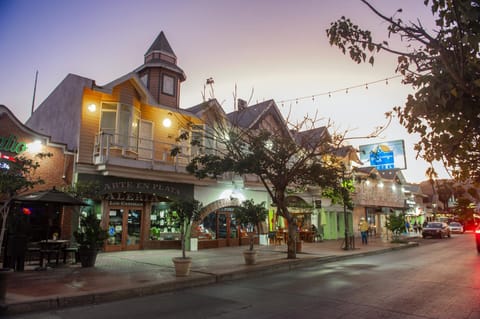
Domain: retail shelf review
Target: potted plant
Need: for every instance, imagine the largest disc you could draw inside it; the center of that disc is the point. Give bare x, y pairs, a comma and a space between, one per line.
187, 211
251, 215
90, 238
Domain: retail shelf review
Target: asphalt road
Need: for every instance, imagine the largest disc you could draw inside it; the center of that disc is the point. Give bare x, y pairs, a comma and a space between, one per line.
438, 279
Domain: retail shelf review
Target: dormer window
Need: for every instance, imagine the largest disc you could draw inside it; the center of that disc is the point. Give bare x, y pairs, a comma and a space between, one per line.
168, 85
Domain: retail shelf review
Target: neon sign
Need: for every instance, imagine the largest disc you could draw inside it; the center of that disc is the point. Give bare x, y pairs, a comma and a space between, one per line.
10, 144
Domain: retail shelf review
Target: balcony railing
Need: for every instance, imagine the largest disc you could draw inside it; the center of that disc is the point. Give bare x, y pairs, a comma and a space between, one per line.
116, 148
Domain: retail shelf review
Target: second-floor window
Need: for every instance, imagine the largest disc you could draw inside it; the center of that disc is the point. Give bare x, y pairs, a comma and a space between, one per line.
204, 140
121, 123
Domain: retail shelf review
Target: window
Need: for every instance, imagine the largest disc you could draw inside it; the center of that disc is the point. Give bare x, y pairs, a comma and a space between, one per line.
120, 122
203, 139
168, 85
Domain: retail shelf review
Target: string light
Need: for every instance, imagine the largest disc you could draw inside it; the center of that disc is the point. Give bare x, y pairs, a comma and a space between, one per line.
329, 93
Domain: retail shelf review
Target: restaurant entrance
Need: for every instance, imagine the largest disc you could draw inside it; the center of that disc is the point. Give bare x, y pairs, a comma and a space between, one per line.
124, 228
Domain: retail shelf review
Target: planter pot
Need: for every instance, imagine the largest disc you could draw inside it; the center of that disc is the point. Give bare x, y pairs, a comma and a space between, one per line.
182, 266
250, 257
87, 256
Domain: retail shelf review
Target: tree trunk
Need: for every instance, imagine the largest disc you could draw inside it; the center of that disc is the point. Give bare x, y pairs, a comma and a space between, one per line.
291, 242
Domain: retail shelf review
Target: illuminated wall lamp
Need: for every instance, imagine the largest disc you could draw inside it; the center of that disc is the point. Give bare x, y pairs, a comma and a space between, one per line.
92, 107
167, 122
35, 147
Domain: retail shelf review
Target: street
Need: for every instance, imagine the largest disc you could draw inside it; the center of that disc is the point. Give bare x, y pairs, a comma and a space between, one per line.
438, 279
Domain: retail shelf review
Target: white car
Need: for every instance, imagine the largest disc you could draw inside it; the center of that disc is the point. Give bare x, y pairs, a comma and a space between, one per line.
456, 227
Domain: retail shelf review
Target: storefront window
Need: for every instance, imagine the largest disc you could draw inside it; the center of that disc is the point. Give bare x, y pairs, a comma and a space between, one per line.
163, 223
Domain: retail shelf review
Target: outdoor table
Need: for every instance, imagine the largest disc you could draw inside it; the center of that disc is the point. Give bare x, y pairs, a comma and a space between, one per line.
49, 248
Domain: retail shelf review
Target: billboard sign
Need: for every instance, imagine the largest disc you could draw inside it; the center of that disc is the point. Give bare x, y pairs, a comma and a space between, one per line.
385, 155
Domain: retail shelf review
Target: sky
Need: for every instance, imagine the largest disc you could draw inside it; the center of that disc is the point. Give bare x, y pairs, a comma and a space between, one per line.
266, 49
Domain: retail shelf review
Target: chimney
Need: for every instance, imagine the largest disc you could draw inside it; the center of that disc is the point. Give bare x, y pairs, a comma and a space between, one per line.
242, 104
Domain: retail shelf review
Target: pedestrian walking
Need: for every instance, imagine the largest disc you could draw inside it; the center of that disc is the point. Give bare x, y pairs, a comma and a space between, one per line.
363, 227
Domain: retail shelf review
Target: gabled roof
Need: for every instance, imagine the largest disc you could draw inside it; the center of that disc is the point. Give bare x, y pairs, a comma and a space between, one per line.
392, 174
161, 45
366, 170
312, 138
347, 152
211, 112
251, 117
206, 106
133, 77
6, 111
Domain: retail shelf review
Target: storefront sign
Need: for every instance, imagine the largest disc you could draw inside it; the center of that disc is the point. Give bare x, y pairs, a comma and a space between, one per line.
10, 144
132, 186
123, 189
124, 203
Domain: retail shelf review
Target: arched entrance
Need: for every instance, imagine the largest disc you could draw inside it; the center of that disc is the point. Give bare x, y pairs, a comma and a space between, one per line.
218, 226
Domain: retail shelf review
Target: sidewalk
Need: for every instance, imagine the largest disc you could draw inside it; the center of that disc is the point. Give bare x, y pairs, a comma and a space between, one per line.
129, 274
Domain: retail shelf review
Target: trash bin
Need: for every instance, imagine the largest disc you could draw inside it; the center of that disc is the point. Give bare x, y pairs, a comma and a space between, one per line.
193, 244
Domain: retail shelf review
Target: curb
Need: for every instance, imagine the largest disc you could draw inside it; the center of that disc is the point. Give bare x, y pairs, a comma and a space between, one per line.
195, 280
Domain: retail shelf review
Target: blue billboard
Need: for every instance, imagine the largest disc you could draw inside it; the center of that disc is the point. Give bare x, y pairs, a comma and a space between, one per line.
385, 155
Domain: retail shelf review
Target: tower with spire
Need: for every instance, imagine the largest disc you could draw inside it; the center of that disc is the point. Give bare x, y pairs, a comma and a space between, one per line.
160, 73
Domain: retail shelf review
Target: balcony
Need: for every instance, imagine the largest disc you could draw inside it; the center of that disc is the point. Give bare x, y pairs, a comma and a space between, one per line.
135, 152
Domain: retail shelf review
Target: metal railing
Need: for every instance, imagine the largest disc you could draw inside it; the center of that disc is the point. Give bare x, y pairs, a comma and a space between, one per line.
110, 146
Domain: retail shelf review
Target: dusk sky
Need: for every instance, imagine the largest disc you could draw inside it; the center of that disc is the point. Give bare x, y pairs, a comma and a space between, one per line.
276, 48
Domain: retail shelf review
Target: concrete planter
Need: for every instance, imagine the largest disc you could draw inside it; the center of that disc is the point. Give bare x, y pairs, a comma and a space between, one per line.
182, 266
250, 257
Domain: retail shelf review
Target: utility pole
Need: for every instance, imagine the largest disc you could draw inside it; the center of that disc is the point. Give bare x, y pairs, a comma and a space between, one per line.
345, 216
34, 91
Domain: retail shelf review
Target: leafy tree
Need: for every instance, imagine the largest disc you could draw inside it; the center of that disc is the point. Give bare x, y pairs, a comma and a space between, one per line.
280, 158
396, 224
443, 66
16, 177
187, 211
251, 213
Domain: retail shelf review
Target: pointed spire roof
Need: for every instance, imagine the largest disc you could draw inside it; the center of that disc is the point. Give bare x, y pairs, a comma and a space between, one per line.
161, 45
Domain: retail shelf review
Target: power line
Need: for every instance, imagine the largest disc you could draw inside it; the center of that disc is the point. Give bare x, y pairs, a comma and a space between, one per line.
346, 90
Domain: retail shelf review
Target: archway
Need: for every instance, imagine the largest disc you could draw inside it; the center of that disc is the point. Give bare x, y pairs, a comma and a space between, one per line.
217, 226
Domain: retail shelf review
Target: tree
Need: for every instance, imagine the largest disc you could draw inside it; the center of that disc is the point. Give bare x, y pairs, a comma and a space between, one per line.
253, 214
280, 158
444, 68
187, 211
396, 224
16, 176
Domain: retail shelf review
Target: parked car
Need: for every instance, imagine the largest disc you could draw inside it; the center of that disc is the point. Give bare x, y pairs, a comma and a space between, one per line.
436, 229
456, 227
477, 238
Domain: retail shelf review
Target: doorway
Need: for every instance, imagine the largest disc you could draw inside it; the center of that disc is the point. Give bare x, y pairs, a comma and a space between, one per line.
222, 224
124, 228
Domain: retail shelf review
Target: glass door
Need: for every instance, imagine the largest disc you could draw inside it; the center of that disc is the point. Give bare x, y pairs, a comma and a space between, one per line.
133, 229
115, 229
124, 229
